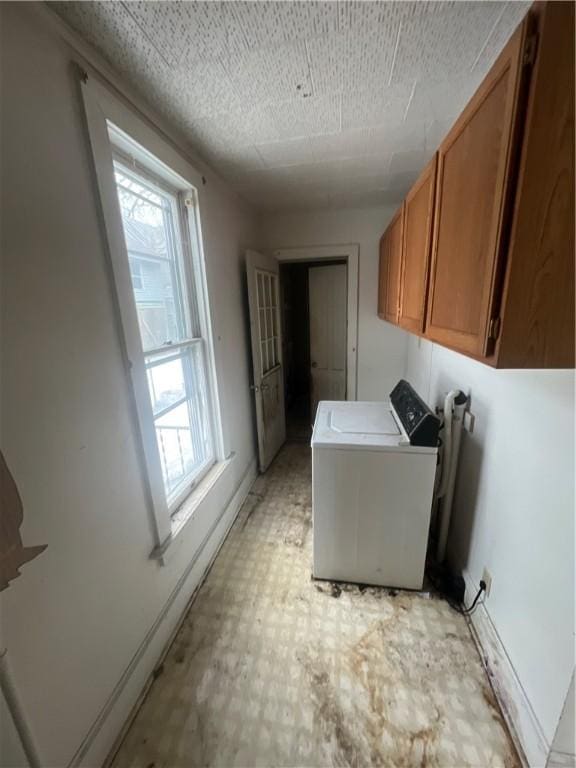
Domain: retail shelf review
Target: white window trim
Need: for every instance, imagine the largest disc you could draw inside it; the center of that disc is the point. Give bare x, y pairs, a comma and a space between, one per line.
103, 107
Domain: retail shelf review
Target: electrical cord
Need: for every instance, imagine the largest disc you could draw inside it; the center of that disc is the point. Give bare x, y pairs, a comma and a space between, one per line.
472, 608
461, 609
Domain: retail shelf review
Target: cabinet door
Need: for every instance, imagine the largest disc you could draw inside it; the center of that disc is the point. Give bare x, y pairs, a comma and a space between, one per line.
475, 164
418, 212
538, 316
383, 275
392, 303
390, 269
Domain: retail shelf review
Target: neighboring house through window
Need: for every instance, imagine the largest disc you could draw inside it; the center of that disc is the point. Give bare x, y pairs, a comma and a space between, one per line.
136, 273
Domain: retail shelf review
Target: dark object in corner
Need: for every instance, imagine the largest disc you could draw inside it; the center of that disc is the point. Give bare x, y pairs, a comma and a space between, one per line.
454, 586
451, 585
13, 553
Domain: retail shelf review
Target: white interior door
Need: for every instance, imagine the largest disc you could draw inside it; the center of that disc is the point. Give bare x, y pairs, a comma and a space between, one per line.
266, 336
327, 297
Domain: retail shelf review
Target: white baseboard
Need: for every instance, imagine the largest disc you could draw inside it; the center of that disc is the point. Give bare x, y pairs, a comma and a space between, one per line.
104, 736
521, 719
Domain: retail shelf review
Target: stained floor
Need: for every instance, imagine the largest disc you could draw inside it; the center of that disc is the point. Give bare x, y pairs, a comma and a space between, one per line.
273, 669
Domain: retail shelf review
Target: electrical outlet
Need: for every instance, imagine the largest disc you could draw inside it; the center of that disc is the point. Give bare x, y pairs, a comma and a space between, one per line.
487, 579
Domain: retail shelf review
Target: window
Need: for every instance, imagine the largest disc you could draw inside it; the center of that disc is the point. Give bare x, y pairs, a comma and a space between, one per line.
150, 201
155, 225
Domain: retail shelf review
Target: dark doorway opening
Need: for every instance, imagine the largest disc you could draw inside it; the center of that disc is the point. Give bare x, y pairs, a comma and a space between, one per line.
296, 349
295, 313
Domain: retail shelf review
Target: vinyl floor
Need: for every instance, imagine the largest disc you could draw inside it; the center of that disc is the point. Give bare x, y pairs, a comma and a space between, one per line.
271, 668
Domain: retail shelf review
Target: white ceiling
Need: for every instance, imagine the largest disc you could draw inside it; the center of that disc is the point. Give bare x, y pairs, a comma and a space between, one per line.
303, 104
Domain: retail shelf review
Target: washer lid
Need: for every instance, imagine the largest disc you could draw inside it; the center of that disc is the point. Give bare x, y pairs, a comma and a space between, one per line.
356, 425
367, 418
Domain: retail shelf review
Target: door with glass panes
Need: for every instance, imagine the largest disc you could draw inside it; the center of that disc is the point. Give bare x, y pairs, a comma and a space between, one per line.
266, 335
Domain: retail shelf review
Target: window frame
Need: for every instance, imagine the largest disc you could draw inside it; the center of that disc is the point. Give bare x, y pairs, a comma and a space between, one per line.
185, 277
116, 132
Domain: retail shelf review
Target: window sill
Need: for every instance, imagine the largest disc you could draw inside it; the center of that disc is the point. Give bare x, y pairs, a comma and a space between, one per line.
186, 511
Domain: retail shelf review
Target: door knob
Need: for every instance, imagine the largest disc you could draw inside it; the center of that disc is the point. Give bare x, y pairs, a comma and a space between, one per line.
314, 365
254, 387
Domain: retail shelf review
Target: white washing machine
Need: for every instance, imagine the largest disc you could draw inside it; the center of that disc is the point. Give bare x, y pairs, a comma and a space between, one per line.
373, 471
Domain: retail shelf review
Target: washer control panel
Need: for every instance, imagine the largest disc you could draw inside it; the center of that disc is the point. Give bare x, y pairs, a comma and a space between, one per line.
420, 423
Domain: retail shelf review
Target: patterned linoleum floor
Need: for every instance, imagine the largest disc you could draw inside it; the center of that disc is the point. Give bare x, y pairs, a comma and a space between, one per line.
273, 669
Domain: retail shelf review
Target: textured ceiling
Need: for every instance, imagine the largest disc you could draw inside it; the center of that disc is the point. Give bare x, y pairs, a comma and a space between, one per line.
304, 104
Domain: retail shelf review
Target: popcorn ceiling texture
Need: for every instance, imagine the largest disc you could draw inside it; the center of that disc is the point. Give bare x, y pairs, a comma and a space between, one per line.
304, 104
271, 668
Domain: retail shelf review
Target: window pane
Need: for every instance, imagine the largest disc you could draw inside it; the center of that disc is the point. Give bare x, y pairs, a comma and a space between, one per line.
260, 289
267, 290
183, 431
262, 324
269, 327
165, 382
174, 435
151, 233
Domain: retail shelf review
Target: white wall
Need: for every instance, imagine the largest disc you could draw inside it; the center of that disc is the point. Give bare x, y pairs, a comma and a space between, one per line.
514, 510
80, 614
11, 750
564, 739
381, 346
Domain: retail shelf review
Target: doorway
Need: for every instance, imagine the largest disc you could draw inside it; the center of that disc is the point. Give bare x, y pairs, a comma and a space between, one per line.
286, 367
314, 314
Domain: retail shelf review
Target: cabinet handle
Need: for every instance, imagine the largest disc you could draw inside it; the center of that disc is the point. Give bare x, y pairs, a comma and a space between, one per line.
494, 328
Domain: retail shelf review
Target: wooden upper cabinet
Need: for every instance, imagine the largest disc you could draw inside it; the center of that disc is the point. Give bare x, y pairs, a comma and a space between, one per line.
418, 213
538, 304
480, 258
390, 269
475, 169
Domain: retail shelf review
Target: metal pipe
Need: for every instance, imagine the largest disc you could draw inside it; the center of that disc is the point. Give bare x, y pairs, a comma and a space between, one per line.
16, 711
447, 438
454, 406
